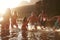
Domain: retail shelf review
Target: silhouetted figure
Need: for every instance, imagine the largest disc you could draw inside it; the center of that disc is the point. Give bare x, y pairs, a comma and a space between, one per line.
24, 29
14, 20
33, 19
57, 22
5, 25
42, 18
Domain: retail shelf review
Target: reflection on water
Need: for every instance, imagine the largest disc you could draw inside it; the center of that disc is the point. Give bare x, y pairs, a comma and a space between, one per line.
40, 34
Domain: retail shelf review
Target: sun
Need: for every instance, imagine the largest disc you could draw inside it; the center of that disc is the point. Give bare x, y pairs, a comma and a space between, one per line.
4, 4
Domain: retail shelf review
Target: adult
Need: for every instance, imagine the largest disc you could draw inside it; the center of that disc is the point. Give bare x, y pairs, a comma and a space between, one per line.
5, 25
57, 22
24, 28
14, 19
42, 18
33, 19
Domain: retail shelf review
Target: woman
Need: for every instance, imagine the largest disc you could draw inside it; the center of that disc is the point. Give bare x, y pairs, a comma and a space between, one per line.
24, 29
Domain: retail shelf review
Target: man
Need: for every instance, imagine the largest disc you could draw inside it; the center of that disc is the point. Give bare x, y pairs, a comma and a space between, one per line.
5, 25
33, 19
42, 18
14, 20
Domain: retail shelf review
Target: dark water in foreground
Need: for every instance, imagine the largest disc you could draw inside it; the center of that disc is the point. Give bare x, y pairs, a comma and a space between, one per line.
35, 35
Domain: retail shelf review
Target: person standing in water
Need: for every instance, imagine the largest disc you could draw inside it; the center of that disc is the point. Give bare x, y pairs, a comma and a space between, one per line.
5, 25
24, 29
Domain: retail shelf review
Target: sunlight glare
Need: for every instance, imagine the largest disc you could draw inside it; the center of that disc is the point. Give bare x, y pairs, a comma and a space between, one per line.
4, 4
1, 19
28, 0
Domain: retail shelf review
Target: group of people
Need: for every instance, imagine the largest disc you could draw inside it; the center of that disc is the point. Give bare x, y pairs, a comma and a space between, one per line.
5, 24
33, 20
41, 20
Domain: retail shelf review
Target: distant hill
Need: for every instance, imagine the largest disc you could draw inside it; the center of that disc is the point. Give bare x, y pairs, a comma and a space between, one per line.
53, 9
25, 10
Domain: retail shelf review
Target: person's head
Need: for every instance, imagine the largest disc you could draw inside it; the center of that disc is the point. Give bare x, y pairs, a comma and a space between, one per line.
8, 10
33, 14
25, 19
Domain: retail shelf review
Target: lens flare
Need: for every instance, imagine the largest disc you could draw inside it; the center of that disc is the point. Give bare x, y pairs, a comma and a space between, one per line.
4, 4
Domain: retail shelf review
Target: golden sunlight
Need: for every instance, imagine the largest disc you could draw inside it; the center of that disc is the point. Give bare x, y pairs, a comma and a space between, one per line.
4, 4
28, 0
1, 19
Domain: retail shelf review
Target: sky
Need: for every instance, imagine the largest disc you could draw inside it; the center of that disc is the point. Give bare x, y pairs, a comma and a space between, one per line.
14, 3
4, 4
29, 3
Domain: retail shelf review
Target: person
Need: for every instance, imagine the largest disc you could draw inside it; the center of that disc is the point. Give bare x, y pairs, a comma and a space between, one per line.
14, 19
5, 25
42, 18
33, 19
57, 22
24, 29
